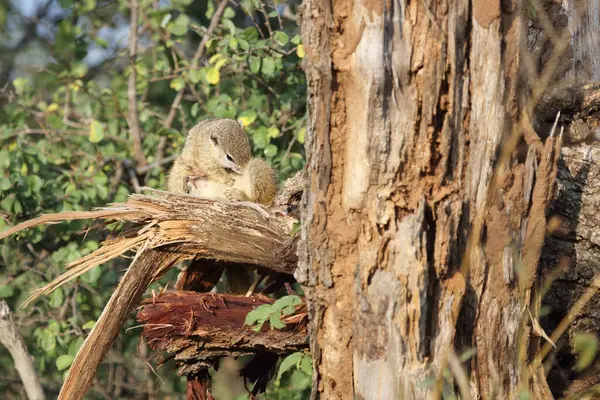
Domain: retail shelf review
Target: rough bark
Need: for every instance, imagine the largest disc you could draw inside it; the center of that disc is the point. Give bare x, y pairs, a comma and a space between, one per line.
422, 226
570, 261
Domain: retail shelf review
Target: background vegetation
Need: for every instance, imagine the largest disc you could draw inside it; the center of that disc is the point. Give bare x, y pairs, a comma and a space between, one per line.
69, 142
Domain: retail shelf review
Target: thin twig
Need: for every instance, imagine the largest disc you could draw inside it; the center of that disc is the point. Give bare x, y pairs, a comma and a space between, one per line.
155, 164
262, 8
133, 114
132, 176
278, 15
12, 340
199, 53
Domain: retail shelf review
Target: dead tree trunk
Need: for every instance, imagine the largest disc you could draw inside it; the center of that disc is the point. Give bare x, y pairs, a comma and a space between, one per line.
422, 223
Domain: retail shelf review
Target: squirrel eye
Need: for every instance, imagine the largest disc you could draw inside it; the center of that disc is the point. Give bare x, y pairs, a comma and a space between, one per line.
214, 139
229, 158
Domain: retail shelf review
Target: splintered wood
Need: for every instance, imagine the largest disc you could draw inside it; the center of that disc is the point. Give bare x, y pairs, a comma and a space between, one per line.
197, 328
164, 229
241, 233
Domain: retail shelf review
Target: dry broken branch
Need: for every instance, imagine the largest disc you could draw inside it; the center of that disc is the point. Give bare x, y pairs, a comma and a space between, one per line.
243, 233
197, 328
164, 229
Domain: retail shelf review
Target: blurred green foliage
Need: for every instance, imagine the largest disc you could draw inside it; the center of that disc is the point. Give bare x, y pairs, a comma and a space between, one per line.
66, 145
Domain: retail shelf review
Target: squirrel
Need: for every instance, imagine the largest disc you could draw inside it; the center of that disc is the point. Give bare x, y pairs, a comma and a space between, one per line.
215, 148
216, 162
257, 184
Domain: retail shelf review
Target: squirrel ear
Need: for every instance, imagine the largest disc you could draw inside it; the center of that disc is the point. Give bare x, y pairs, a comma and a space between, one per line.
214, 139
240, 123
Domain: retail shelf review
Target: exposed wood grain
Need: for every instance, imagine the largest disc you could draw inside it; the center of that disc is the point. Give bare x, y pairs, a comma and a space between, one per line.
197, 328
128, 292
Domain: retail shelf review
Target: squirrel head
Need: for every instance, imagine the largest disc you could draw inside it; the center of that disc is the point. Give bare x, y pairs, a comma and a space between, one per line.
220, 141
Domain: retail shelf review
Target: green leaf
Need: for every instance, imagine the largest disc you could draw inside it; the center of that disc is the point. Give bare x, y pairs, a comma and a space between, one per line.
260, 138
229, 13
35, 182
296, 39
220, 62
79, 70
179, 27
75, 345
258, 327
586, 347
287, 304
92, 275
300, 135
270, 151
306, 365
20, 84
102, 192
275, 321
268, 66
255, 64
273, 132
57, 298
4, 159
5, 184
295, 228
260, 313
177, 84
96, 131
195, 75
47, 340
281, 38
88, 325
289, 362
6, 291
213, 76
244, 45
233, 43
229, 25
165, 20
88, 5
194, 109
63, 362
247, 117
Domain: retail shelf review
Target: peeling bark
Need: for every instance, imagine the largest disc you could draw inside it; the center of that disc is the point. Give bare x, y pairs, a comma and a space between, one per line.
418, 239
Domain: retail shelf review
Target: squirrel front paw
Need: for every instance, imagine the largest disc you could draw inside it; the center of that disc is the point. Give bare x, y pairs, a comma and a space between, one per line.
233, 194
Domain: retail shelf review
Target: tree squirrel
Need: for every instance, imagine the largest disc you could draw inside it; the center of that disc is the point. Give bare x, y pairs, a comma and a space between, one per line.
216, 163
216, 148
257, 184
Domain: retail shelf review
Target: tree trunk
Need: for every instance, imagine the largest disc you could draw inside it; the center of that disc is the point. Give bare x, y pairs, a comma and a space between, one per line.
423, 223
